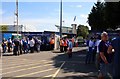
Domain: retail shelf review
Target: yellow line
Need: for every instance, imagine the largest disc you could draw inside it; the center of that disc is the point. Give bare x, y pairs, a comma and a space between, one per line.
53, 77
35, 73
45, 76
48, 75
27, 69
25, 65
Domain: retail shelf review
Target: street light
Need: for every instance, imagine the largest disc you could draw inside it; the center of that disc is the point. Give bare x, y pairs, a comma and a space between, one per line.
61, 19
17, 17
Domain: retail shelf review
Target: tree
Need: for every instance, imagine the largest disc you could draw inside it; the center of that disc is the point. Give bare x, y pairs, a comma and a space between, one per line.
112, 14
82, 31
104, 16
96, 17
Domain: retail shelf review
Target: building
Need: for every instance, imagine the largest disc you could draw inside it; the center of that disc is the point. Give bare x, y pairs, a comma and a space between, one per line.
8, 30
65, 29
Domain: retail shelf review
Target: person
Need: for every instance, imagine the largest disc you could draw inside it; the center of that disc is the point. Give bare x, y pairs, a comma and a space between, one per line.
36, 44
16, 47
90, 51
9, 43
32, 43
24, 42
52, 42
61, 44
20, 46
97, 52
4, 46
65, 45
70, 47
115, 45
104, 56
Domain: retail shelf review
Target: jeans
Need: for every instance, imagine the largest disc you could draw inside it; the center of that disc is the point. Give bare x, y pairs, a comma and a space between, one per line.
4, 49
89, 56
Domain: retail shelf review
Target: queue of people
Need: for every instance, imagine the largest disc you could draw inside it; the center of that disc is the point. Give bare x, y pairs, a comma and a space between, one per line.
105, 54
20, 46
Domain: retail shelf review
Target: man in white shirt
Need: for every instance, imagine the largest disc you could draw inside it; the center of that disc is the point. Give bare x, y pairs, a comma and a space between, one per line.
90, 52
98, 40
32, 43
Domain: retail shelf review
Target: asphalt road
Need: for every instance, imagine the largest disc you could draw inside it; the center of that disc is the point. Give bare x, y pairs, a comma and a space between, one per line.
48, 65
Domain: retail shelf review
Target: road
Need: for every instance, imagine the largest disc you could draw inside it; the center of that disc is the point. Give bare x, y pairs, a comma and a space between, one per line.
48, 65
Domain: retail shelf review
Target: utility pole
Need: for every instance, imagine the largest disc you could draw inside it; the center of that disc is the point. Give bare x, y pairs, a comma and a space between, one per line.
17, 17
61, 19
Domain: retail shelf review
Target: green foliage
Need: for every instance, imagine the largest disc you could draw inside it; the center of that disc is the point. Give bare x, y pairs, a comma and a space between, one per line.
82, 31
112, 14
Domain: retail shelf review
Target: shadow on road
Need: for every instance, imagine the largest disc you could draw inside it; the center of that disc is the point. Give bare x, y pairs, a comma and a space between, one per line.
76, 65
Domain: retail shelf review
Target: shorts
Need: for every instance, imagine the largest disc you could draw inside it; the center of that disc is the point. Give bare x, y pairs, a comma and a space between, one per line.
103, 69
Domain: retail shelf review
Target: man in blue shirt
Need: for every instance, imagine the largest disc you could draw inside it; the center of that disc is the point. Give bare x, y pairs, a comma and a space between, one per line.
70, 46
115, 44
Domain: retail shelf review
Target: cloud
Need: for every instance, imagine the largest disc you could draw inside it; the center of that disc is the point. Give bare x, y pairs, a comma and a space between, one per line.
1, 11
84, 16
76, 6
79, 6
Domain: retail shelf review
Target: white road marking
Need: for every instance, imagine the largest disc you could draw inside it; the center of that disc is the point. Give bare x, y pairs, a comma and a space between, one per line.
26, 65
35, 73
26, 69
23, 63
53, 77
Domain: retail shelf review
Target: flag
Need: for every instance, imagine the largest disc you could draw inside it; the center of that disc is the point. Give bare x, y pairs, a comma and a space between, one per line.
74, 18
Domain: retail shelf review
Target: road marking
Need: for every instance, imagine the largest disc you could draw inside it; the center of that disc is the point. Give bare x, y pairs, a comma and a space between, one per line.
35, 73
16, 61
45, 76
27, 69
53, 77
48, 76
24, 63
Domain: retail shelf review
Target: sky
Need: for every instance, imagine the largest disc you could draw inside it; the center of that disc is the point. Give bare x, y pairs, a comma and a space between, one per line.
43, 16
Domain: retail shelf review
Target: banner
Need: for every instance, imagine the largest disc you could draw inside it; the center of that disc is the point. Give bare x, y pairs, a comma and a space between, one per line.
4, 28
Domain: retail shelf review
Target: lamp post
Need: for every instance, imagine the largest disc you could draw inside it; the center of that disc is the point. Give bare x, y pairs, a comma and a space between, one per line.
17, 17
61, 19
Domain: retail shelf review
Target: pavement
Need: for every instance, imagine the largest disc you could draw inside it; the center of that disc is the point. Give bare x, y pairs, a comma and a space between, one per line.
48, 65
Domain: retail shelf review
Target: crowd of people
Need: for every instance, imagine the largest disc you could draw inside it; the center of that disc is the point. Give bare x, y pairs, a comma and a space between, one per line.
31, 44
105, 54
21, 46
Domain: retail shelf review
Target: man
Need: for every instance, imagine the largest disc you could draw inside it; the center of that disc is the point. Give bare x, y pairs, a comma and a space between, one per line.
97, 52
90, 51
16, 47
9, 42
104, 56
70, 47
61, 44
65, 45
115, 44
32, 43
52, 42
4, 46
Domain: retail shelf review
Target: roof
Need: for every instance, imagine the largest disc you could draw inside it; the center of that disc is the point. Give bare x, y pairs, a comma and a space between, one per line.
63, 27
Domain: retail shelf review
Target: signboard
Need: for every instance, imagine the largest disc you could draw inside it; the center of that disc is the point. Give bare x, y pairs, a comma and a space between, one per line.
4, 28
11, 28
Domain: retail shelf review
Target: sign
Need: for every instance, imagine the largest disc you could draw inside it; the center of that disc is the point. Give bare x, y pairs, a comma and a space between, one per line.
3, 28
